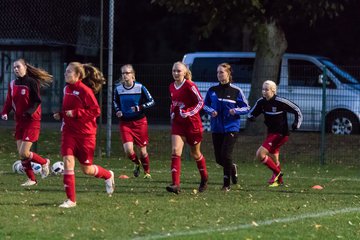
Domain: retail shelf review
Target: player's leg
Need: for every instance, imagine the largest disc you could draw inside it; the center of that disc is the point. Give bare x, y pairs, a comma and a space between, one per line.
201, 165
177, 145
69, 181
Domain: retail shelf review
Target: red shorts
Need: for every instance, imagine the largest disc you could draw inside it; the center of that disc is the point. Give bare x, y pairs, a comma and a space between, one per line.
135, 131
274, 141
192, 135
28, 134
82, 147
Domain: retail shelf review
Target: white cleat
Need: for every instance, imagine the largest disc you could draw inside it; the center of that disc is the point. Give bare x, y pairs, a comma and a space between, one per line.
68, 204
45, 170
110, 184
29, 183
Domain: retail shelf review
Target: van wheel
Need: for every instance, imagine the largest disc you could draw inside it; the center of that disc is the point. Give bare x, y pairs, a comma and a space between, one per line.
205, 119
342, 122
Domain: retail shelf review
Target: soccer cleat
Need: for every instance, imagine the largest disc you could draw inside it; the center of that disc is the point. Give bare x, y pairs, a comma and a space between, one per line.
277, 180
147, 176
234, 173
225, 189
110, 184
274, 184
203, 185
278, 176
136, 170
173, 188
271, 180
45, 170
29, 183
67, 204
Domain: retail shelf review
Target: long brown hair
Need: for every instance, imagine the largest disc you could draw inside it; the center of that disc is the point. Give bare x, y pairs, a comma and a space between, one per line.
90, 75
45, 79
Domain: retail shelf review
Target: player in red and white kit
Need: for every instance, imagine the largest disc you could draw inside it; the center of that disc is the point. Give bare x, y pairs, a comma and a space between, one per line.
79, 112
186, 126
24, 99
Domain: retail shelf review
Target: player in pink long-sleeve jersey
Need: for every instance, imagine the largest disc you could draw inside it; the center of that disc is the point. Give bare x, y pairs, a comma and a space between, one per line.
186, 126
79, 112
24, 99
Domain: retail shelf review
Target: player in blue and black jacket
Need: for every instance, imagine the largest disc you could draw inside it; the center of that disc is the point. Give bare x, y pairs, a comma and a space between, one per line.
225, 103
131, 98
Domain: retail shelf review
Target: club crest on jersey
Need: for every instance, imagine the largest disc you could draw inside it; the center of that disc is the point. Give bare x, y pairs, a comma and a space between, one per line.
274, 109
23, 91
76, 92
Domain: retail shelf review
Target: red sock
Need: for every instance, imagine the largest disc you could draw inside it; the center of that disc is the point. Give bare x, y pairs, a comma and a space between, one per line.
146, 163
101, 172
201, 165
270, 164
37, 158
69, 184
26, 163
134, 158
175, 169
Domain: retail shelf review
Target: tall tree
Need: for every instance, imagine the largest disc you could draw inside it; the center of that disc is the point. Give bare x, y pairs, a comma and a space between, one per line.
266, 19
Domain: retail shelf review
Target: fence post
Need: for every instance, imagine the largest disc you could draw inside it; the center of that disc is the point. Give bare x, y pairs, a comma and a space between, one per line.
323, 113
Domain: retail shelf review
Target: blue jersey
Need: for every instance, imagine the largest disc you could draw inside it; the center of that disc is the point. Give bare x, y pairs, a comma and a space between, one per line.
135, 96
221, 98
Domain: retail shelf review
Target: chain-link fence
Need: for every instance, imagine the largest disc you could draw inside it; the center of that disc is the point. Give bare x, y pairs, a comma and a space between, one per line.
42, 31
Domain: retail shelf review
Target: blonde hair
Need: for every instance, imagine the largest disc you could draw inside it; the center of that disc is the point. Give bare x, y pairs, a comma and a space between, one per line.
188, 74
272, 85
45, 79
90, 75
127, 66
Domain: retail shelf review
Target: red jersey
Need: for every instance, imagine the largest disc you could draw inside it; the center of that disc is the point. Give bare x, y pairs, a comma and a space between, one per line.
186, 103
81, 100
23, 97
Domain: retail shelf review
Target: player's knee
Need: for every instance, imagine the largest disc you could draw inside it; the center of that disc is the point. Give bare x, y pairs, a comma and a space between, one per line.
87, 170
24, 154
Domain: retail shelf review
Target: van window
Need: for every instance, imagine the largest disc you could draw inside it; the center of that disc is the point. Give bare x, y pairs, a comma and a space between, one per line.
204, 69
305, 74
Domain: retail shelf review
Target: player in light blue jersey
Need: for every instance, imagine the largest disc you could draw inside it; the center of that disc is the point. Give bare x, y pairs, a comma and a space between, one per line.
131, 98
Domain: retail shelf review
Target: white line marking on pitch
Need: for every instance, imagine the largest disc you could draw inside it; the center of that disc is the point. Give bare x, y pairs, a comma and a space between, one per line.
250, 225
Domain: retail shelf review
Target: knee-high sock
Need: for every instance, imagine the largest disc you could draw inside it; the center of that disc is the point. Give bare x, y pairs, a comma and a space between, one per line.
201, 165
271, 164
101, 172
34, 157
134, 158
69, 184
175, 169
145, 161
26, 163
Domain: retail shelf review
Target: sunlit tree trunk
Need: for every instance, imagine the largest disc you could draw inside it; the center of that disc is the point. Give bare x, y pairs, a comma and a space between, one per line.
270, 47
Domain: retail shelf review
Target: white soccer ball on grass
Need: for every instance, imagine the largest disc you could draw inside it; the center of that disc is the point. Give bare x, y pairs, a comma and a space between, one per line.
58, 168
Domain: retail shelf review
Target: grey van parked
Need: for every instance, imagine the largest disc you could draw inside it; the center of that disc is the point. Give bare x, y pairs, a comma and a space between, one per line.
300, 80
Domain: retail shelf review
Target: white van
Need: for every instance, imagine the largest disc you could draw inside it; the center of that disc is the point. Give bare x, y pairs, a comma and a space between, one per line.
300, 80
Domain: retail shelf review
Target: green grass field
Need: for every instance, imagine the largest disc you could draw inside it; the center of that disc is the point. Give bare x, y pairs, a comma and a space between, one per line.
142, 209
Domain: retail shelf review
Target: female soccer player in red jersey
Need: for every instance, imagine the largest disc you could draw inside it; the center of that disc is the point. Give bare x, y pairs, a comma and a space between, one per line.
79, 112
23, 97
275, 109
186, 126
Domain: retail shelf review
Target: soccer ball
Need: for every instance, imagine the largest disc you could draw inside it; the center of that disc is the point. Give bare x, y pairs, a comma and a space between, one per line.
57, 168
36, 168
17, 167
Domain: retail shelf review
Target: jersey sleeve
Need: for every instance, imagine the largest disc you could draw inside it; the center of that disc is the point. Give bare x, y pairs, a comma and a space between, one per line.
147, 99
256, 109
191, 111
242, 104
8, 102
